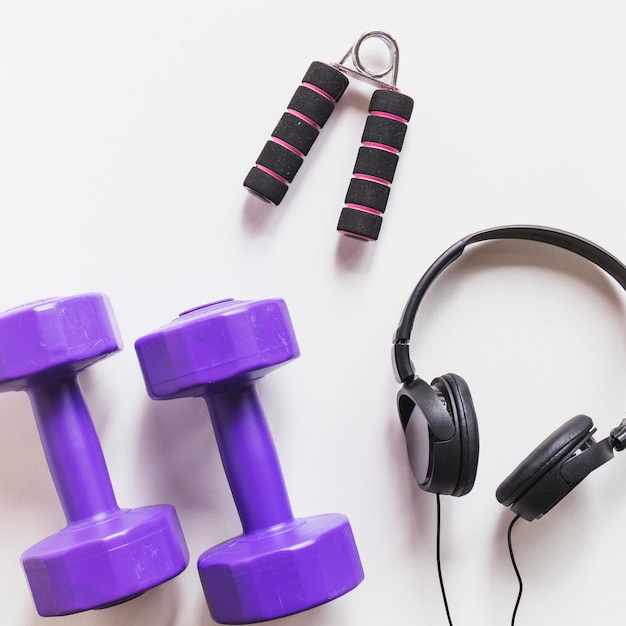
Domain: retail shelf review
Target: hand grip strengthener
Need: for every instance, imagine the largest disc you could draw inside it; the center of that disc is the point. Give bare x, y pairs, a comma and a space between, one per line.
308, 111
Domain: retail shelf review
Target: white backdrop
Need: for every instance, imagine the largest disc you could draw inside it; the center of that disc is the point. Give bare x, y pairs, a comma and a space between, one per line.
126, 130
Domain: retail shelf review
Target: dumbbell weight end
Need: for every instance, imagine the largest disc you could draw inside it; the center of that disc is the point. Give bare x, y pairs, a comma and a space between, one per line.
283, 570
105, 562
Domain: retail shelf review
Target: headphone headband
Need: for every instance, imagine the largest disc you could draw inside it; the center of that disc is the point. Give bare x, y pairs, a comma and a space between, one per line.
403, 367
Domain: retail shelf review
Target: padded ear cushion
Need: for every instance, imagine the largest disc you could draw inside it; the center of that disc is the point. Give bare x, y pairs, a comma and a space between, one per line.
555, 448
460, 405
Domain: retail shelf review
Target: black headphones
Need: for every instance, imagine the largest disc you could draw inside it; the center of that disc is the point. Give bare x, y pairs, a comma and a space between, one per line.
439, 419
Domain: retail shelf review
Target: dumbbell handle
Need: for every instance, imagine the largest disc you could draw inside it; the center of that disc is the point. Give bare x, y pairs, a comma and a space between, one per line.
72, 449
249, 458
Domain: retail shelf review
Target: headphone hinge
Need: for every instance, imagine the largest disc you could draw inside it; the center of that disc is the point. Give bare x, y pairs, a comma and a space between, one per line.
585, 461
618, 436
401, 362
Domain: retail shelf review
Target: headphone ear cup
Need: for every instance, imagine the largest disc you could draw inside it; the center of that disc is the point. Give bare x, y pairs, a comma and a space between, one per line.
441, 433
536, 484
460, 405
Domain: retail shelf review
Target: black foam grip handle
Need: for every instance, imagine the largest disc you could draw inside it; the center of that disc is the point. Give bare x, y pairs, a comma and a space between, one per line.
384, 131
265, 186
280, 161
295, 132
314, 107
307, 112
376, 162
393, 103
327, 78
367, 193
359, 224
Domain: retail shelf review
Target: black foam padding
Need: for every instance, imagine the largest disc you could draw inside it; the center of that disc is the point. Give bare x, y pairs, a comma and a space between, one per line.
265, 186
327, 78
375, 162
368, 193
459, 402
360, 224
556, 447
296, 132
385, 131
394, 102
280, 160
311, 104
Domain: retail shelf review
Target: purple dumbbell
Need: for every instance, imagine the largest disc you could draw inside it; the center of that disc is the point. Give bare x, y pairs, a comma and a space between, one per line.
279, 565
105, 555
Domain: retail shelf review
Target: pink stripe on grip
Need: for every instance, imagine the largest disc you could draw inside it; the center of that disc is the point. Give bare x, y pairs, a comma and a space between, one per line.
304, 118
380, 146
274, 174
390, 116
321, 92
374, 179
360, 207
284, 144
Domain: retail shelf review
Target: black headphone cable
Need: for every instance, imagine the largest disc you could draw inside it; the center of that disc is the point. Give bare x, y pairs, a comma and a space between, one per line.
443, 589
519, 578
511, 554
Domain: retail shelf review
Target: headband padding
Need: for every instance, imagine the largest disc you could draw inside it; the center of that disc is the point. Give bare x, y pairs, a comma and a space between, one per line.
554, 449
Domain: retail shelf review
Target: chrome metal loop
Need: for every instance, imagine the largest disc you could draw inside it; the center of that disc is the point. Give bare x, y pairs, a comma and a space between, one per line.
385, 78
